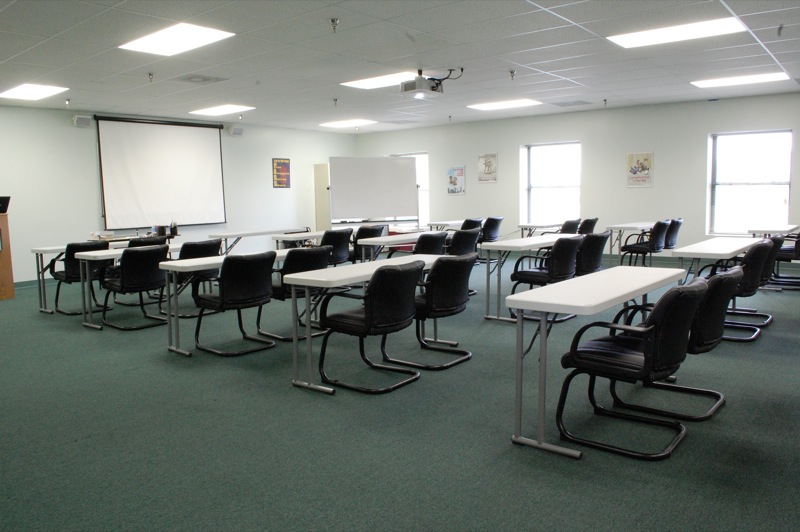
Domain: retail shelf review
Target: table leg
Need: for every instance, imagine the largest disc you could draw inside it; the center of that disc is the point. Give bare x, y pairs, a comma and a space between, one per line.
40, 280
308, 383
539, 442
173, 318
86, 306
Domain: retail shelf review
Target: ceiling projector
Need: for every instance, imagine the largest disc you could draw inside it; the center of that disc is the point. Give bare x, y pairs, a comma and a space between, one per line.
421, 87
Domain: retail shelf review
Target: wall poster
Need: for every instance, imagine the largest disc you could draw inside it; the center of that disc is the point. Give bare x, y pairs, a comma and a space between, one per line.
456, 183
487, 168
280, 173
640, 169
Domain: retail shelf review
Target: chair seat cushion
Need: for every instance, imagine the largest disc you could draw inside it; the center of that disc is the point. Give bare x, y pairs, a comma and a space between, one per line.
614, 357
422, 313
641, 247
212, 301
532, 276
353, 322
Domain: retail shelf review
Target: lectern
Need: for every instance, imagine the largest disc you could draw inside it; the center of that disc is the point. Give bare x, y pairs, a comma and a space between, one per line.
6, 271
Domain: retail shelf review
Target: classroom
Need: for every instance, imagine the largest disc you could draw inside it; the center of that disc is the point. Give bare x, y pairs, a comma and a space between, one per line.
105, 429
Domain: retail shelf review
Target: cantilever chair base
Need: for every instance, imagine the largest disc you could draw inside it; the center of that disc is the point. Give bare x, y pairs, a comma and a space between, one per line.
413, 375
264, 343
719, 401
155, 320
462, 355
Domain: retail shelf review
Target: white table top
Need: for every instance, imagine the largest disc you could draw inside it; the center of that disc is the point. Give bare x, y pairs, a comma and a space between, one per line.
242, 234
638, 226
775, 230
206, 263
352, 273
113, 253
446, 223
593, 293
298, 236
389, 240
721, 247
523, 244
538, 226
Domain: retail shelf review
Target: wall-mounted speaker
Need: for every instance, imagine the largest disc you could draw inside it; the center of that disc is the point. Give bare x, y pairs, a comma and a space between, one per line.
236, 131
82, 121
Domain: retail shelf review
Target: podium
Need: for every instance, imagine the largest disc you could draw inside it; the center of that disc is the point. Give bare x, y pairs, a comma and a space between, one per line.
6, 271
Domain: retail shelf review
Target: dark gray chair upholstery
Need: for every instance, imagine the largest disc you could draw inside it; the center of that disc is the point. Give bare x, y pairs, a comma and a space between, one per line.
427, 244
590, 253
137, 272
70, 270
558, 265
472, 223
463, 241
196, 250
671, 237
147, 241
245, 281
646, 244
445, 292
339, 242
587, 226
367, 231
386, 306
651, 352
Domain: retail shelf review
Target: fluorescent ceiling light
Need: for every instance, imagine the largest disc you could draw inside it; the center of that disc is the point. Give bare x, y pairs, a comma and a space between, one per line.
388, 80
349, 123
740, 80
176, 39
684, 32
31, 91
221, 110
508, 104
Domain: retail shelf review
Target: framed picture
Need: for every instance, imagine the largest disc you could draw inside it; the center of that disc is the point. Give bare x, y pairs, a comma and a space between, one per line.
280, 173
640, 169
456, 183
487, 168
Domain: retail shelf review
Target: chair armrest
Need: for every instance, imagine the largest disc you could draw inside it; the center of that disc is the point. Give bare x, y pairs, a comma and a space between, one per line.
329, 296
534, 258
638, 331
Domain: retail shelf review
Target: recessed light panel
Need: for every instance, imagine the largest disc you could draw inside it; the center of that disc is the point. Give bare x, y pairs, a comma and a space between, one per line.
389, 80
356, 122
683, 32
740, 80
176, 39
222, 110
31, 91
508, 104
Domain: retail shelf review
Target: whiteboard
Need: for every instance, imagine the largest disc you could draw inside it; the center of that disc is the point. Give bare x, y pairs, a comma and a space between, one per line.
373, 188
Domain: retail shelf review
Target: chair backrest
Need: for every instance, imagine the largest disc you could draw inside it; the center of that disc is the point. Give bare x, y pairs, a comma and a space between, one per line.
430, 243
708, 325
305, 259
590, 253
772, 256
753, 264
587, 226
472, 223
658, 235
491, 229
561, 263
147, 241
389, 299
570, 226
671, 317
246, 280
204, 248
367, 231
72, 267
447, 286
671, 238
339, 241
138, 268
464, 241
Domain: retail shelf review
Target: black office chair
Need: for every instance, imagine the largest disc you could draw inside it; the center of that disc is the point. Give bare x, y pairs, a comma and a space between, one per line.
245, 281
427, 244
369, 252
671, 236
471, 223
587, 226
339, 242
463, 241
568, 227
706, 332
70, 271
445, 292
137, 272
590, 253
789, 252
646, 244
386, 306
490, 232
196, 250
651, 352
298, 260
559, 265
147, 241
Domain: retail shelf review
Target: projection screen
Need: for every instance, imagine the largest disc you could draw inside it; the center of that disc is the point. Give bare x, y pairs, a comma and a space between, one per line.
154, 173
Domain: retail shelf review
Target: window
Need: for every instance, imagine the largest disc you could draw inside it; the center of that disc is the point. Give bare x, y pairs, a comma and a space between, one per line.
423, 185
553, 183
750, 180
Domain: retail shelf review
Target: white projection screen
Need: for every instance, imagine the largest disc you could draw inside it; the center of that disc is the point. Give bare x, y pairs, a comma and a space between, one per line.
373, 188
154, 173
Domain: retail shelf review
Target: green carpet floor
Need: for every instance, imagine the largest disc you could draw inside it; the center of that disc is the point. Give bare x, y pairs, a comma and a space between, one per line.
107, 430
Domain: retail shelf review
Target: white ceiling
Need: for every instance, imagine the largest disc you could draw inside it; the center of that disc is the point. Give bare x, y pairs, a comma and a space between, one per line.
287, 61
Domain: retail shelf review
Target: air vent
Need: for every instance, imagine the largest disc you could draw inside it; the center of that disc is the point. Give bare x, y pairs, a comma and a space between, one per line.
572, 103
198, 79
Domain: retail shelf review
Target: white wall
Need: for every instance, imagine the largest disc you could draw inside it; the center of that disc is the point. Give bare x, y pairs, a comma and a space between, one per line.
50, 169
677, 134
